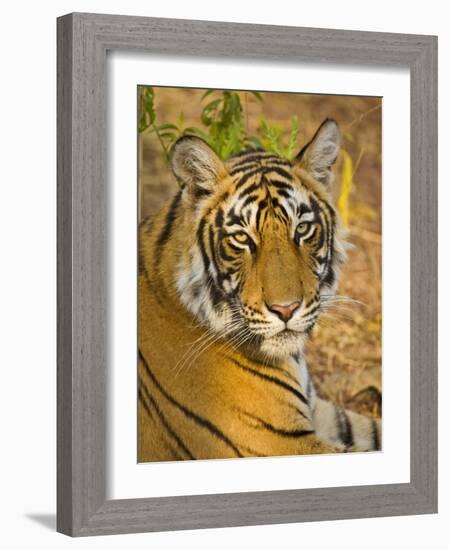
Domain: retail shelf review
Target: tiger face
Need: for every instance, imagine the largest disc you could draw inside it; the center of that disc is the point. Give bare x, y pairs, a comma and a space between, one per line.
261, 243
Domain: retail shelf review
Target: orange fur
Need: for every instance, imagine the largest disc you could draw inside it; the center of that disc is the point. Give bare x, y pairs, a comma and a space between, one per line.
211, 385
208, 388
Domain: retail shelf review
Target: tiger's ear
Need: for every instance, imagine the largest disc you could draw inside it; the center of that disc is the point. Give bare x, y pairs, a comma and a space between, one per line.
318, 156
196, 165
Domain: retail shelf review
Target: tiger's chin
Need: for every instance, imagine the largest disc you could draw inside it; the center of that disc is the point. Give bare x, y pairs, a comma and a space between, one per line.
283, 345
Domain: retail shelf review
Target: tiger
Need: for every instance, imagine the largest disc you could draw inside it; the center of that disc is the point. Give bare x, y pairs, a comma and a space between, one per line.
234, 272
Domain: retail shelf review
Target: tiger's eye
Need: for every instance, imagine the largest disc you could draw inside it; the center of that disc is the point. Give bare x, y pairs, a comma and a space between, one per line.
241, 237
302, 228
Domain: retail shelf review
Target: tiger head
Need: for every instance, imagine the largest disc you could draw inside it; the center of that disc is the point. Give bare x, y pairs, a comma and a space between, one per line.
260, 242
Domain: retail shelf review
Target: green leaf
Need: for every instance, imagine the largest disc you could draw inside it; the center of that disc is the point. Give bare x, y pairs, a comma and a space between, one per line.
293, 138
223, 120
143, 123
258, 95
197, 131
167, 126
168, 135
213, 104
208, 109
208, 92
254, 141
271, 136
146, 107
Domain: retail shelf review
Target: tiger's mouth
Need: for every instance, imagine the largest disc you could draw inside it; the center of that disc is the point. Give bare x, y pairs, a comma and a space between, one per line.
288, 334
277, 345
283, 344
304, 328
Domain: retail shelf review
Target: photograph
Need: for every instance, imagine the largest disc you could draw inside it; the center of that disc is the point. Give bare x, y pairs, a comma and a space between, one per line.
259, 277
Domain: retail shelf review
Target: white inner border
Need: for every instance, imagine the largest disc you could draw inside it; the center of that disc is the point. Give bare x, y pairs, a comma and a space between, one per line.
126, 478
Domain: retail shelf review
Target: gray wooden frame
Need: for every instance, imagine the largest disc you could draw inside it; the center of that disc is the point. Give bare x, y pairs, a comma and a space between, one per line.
83, 40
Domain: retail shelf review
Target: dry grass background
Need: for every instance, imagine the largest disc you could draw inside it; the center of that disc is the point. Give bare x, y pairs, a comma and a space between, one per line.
344, 352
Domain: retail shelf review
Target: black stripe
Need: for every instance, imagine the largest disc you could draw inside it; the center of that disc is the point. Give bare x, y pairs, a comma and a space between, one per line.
247, 164
375, 435
344, 427
164, 421
263, 155
279, 171
252, 452
330, 275
285, 372
304, 209
320, 242
224, 254
168, 226
248, 200
271, 379
253, 187
262, 205
174, 452
252, 162
279, 431
323, 211
199, 192
276, 204
280, 184
140, 260
200, 238
314, 309
284, 193
329, 278
203, 422
212, 248
241, 182
219, 218
294, 408
145, 404
236, 249
314, 203
215, 293
233, 219
252, 245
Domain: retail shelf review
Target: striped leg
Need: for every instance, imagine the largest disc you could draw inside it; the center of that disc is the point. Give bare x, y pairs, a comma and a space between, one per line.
345, 429
352, 431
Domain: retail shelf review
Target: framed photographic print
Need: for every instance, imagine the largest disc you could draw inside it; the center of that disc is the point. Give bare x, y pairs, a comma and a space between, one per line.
246, 274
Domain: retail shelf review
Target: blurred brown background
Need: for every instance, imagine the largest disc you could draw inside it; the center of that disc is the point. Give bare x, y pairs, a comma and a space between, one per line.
344, 352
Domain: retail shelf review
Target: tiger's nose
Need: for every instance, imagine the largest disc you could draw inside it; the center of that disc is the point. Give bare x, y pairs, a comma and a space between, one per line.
284, 312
